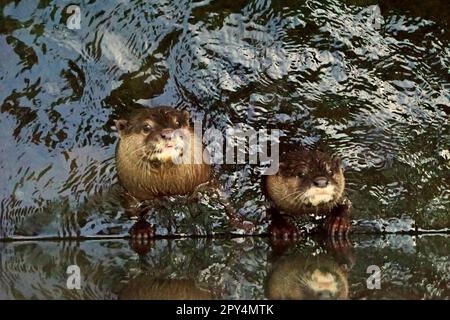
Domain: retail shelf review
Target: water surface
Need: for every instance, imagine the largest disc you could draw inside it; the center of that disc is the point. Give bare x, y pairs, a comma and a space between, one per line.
365, 80
411, 268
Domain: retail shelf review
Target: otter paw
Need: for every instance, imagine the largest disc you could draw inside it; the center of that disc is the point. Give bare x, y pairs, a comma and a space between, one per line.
142, 230
338, 226
142, 234
281, 229
247, 226
343, 251
141, 247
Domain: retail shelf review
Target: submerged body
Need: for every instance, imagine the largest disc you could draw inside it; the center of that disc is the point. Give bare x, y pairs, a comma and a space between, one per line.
308, 182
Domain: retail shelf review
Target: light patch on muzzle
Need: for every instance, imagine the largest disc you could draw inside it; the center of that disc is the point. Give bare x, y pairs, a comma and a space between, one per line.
168, 150
323, 281
316, 196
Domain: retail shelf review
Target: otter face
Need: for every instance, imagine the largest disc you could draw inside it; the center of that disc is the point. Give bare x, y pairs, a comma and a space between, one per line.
309, 178
157, 134
299, 277
323, 285
318, 177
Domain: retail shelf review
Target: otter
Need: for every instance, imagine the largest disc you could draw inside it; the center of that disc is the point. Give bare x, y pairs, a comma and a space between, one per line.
307, 183
156, 156
300, 278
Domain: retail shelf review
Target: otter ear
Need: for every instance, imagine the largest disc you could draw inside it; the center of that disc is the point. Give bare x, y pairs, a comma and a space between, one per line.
121, 126
337, 162
186, 116
282, 167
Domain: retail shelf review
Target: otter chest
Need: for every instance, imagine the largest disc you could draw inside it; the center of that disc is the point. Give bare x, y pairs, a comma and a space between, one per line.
174, 180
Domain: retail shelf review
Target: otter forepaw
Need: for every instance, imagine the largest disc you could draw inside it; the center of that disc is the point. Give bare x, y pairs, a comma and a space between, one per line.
282, 229
142, 234
142, 230
343, 251
338, 226
247, 226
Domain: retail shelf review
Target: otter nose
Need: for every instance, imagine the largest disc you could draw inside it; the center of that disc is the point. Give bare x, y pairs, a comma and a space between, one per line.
167, 134
324, 295
321, 182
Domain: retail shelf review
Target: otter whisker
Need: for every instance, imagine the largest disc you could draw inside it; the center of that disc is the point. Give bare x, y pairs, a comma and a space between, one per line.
299, 196
137, 150
300, 278
293, 193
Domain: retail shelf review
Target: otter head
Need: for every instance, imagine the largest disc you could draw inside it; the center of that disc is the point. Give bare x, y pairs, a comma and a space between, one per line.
323, 284
306, 178
298, 277
155, 135
156, 153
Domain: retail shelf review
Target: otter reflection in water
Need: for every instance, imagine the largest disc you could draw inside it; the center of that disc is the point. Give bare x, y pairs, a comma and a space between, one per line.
301, 277
146, 288
151, 140
307, 183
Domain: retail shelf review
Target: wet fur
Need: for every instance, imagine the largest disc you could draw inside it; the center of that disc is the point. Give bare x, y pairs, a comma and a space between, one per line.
146, 288
146, 177
288, 189
302, 278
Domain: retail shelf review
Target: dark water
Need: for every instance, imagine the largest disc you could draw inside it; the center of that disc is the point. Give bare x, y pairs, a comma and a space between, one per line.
366, 80
410, 268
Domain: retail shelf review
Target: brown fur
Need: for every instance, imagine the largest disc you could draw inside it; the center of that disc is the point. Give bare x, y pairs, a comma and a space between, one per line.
297, 171
298, 278
144, 288
146, 178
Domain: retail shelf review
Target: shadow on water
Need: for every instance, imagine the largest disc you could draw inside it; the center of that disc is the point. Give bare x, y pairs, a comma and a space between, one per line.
243, 268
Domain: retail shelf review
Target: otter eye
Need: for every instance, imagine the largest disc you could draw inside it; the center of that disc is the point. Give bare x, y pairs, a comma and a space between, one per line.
146, 128
330, 172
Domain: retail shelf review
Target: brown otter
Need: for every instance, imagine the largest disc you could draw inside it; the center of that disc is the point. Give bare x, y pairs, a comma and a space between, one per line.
300, 278
308, 182
158, 155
